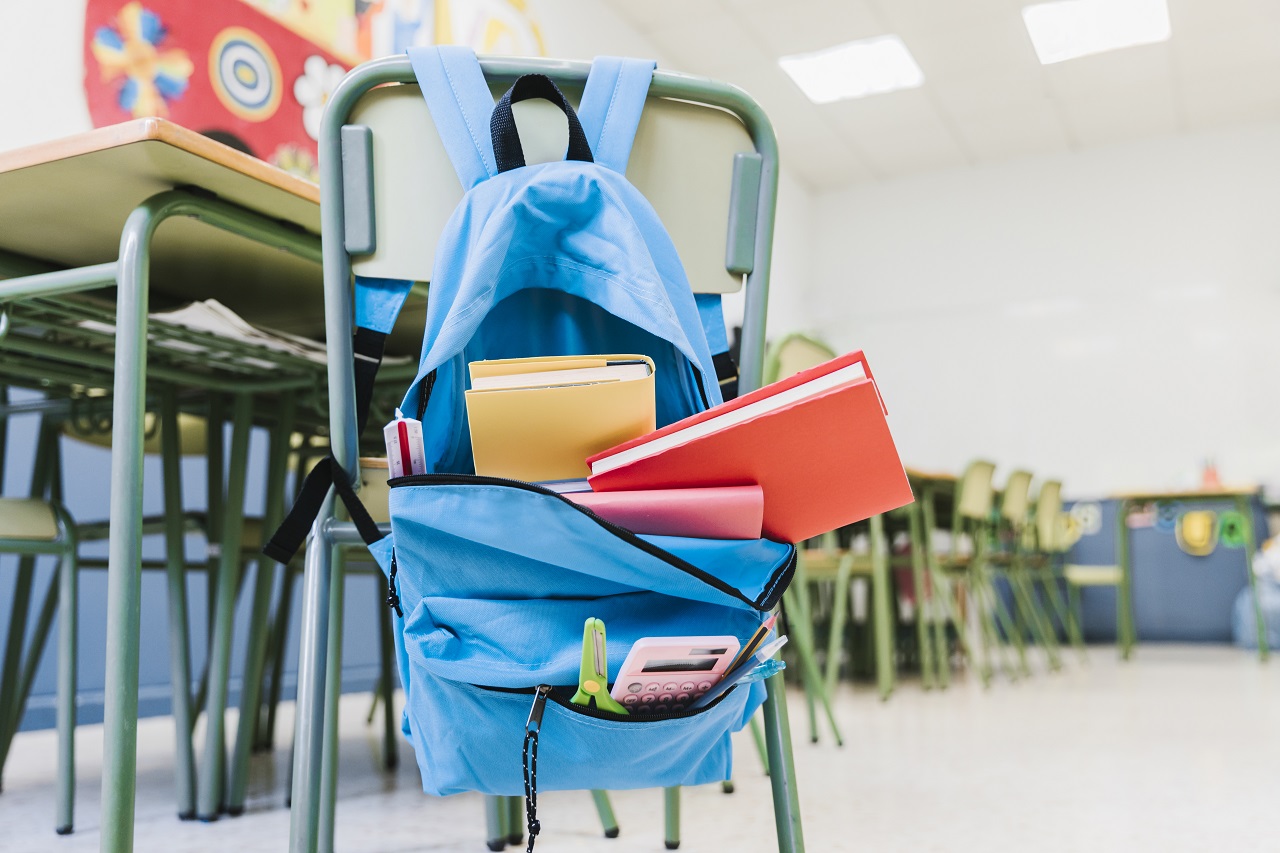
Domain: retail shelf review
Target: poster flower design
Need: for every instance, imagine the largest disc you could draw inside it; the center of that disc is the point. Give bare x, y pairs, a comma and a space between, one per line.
132, 49
312, 90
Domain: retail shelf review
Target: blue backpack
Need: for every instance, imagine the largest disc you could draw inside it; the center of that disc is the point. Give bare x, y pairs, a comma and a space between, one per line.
494, 578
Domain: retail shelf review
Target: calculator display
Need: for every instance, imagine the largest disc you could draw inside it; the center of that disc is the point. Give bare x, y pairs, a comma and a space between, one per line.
681, 665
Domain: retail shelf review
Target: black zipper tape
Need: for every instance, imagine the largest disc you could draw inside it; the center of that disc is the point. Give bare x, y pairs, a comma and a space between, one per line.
559, 695
773, 590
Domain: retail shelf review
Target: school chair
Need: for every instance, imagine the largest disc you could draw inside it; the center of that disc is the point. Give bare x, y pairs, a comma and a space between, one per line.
1054, 532
1010, 560
383, 164
32, 527
965, 564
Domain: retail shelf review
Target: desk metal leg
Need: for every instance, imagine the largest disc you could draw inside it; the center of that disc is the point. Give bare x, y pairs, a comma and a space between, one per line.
68, 611
211, 795
1124, 591
179, 631
332, 693
1246, 513
264, 579
882, 604
313, 646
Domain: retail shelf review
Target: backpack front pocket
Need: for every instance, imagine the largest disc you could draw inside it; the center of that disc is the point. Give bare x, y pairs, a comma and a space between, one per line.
471, 738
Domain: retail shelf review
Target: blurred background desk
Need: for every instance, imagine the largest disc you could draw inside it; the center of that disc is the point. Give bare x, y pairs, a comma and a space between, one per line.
1174, 596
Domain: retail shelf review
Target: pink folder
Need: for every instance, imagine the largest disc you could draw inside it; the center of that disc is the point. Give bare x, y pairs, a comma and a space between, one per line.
721, 512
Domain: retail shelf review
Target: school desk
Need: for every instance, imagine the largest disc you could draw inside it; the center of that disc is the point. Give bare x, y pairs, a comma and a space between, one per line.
80, 216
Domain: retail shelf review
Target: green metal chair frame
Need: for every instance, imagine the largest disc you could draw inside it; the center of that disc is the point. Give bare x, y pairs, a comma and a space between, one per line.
316, 735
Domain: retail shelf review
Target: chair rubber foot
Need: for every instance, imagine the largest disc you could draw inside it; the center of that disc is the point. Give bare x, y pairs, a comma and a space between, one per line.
515, 838
672, 845
496, 845
612, 832
235, 811
727, 787
207, 818
191, 815
64, 830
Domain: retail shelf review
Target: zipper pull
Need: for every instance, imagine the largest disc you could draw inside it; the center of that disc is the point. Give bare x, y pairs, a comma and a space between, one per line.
393, 597
539, 705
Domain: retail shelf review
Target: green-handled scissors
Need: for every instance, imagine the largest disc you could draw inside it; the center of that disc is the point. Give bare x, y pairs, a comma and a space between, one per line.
593, 678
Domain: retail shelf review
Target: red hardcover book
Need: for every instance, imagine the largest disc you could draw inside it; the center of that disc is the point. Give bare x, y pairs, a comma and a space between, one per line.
733, 512
817, 443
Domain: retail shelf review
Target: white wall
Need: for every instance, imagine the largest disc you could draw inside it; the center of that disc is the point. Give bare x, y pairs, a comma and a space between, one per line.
1110, 316
41, 71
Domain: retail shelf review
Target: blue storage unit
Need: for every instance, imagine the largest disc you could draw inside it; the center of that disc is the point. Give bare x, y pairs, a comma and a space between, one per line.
1176, 597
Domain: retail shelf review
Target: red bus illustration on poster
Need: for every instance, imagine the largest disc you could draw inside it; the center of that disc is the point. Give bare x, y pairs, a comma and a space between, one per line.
219, 67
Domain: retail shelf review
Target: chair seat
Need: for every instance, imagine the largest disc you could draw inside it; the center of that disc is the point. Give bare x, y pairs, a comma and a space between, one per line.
27, 518
1093, 575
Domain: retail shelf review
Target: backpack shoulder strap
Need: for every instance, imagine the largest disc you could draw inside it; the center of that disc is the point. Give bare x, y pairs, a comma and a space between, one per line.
460, 104
612, 102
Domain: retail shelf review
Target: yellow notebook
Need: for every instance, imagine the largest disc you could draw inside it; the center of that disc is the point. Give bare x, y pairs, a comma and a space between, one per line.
546, 431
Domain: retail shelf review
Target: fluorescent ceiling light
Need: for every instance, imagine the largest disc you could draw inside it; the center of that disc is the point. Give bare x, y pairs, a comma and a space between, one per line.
1066, 29
854, 70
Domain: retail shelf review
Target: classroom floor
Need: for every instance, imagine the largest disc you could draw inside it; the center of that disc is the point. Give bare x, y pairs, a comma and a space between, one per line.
1176, 751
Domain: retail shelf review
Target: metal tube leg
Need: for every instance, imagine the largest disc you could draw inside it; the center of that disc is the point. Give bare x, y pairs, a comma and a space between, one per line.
883, 607
386, 679
671, 817
1124, 605
11, 673
839, 613
513, 820
68, 611
604, 809
332, 692
495, 819
922, 609
1246, 513
757, 735
786, 796
256, 648
312, 653
179, 633
211, 799
279, 629
124, 576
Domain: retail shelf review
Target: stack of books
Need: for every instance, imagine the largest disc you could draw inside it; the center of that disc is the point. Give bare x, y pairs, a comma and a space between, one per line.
789, 461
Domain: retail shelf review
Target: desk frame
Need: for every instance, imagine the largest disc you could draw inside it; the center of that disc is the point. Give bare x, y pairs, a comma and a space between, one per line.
131, 274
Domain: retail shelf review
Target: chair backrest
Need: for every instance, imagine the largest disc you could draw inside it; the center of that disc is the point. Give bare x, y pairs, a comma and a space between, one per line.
682, 161
1048, 507
1015, 500
974, 493
793, 354
705, 156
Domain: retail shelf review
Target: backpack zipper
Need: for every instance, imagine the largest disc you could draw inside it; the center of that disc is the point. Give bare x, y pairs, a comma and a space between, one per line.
621, 532
543, 692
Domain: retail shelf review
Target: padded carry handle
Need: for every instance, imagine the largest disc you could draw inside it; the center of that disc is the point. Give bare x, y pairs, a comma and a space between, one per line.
507, 151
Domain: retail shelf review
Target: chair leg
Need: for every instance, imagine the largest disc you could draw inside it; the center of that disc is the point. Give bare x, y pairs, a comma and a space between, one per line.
68, 611
1076, 613
332, 693
211, 798
604, 808
839, 612
1025, 601
800, 629
882, 607
495, 821
671, 815
279, 632
10, 671
757, 735
513, 825
386, 683
782, 776
922, 609
179, 631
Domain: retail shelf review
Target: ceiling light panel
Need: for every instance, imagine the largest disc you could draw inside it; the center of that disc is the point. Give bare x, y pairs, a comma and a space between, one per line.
1067, 29
854, 70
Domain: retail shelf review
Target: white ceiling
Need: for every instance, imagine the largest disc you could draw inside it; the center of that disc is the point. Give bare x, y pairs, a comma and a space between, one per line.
986, 97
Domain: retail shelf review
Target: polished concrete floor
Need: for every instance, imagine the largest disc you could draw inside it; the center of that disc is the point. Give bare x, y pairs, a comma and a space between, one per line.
1178, 750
